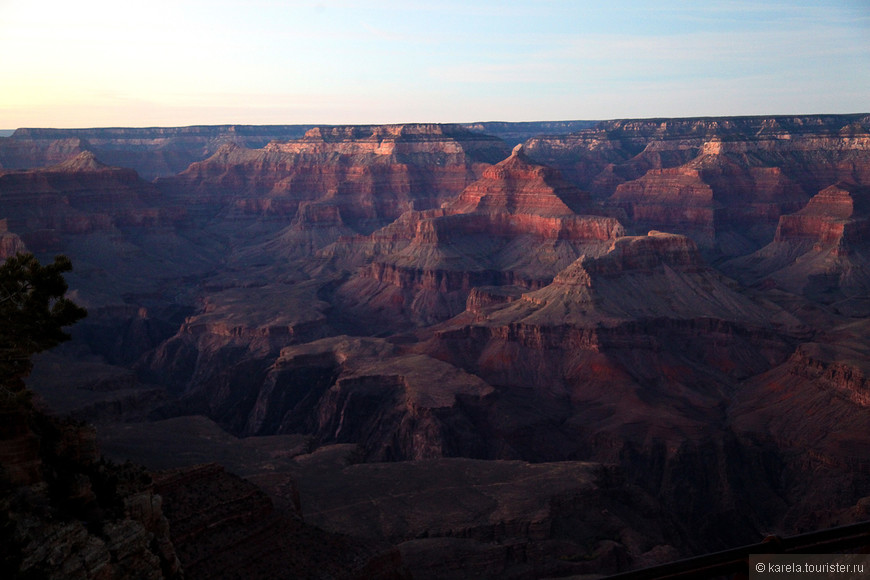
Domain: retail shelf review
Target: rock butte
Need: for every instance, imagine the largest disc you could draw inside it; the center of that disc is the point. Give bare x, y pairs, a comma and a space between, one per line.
518, 224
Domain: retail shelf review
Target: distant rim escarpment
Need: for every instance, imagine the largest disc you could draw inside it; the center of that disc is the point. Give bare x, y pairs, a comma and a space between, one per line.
165, 151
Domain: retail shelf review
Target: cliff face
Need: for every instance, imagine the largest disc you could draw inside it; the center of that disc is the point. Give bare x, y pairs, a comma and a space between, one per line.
79, 196
219, 357
722, 198
726, 208
518, 224
395, 405
28, 153
165, 151
10, 242
370, 174
725, 182
819, 251
152, 152
624, 299
826, 383
67, 514
626, 149
226, 527
629, 358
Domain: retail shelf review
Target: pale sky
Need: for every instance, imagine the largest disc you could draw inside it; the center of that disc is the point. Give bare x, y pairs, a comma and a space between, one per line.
94, 63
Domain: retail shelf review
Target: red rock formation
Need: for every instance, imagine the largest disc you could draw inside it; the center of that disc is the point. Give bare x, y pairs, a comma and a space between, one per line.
629, 357
672, 199
819, 251
26, 153
151, 151
519, 186
756, 169
824, 383
568, 340
10, 243
826, 216
315, 226
516, 225
371, 173
397, 406
219, 357
601, 157
721, 203
80, 195
648, 315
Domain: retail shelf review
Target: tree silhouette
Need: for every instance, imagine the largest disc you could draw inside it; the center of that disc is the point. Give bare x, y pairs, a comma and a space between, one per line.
33, 312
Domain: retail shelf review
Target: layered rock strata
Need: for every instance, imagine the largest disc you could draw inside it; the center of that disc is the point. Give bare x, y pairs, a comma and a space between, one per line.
371, 173
820, 251
514, 322
219, 357
825, 382
612, 152
630, 357
395, 405
152, 152
81, 195
727, 204
724, 182
518, 224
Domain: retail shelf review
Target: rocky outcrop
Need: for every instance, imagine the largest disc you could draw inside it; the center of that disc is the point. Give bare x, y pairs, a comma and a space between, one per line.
315, 226
724, 204
518, 225
455, 518
152, 151
10, 243
220, 356
503, 315
725, 182
28, 153
631, 358
226, 527
66, 514
79, 196
612, 152
519, 186
395, 406
825, 382
819, 251
611, 302
371, 173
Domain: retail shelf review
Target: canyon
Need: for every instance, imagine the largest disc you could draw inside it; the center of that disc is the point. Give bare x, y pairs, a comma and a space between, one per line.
529, 350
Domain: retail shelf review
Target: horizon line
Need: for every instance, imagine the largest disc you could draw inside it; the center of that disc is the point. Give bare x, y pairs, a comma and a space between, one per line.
11, 131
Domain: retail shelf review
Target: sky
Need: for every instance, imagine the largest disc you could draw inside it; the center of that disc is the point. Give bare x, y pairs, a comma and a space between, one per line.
98, 63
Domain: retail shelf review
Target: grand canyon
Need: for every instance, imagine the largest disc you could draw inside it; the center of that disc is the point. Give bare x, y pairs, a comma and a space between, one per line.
498, 350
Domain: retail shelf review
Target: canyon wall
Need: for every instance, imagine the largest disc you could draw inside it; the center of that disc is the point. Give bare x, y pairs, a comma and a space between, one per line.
675, 308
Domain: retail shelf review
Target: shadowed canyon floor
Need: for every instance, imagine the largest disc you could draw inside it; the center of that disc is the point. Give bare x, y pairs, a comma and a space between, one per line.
453, 351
